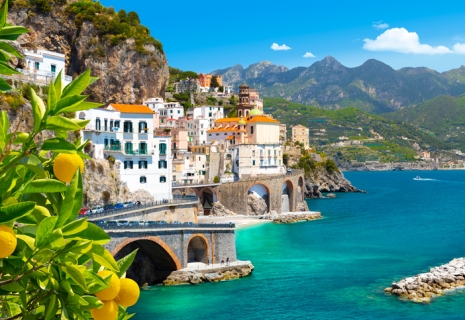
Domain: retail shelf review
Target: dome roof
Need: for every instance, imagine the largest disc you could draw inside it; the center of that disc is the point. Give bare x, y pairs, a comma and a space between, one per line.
242, 122
255, 112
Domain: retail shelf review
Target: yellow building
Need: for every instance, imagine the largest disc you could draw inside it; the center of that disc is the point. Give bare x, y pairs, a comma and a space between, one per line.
300, 133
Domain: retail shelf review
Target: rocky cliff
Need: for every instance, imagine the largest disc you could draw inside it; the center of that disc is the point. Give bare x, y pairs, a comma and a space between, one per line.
320, 180
129, 72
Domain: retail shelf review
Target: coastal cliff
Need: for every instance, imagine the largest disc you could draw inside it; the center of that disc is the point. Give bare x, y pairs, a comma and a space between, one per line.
321, 180
130, 70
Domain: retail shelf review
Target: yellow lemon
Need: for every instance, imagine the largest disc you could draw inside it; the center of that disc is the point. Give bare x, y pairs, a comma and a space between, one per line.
65, 166
7, 241
109, 311
111, 292
129, 293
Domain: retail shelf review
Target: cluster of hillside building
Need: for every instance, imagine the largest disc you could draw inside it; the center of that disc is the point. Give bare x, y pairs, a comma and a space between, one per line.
157, 145
203, 84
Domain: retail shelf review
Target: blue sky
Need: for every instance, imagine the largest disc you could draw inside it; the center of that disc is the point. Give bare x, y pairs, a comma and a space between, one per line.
208, 35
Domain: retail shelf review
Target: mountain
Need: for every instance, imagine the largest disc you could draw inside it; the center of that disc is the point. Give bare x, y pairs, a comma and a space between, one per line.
130, 63
373, 87
443, 117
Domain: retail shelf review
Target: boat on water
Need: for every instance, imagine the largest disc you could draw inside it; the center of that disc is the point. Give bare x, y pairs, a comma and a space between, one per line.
417, 178
422, 179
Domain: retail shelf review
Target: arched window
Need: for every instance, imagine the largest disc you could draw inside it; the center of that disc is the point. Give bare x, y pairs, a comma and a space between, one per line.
162, 179
143, 179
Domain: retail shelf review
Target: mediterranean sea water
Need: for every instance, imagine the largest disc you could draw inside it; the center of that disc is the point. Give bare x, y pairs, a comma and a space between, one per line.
337, 267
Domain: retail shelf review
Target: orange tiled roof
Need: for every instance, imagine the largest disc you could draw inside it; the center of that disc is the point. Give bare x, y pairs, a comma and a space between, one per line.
262, 119
131, 108
230, 138
227, 120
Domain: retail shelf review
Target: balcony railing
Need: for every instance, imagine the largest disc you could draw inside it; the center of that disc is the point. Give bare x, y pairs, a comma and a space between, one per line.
112, 148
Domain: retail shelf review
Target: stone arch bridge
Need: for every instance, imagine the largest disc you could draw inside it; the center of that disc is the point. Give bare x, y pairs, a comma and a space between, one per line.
167, 248
281, 193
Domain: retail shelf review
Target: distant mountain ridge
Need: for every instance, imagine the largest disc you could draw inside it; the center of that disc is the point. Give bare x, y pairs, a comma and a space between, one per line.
374, 86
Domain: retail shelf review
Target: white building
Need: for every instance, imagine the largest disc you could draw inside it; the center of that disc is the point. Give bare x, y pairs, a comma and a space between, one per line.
201, 119
43, 66
166, 110
126, 133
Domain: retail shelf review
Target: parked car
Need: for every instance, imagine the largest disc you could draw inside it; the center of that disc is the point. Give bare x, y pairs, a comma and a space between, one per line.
151, 223
100, 223
123, 223
134, 223
119, 205
111, 223
97, 209
109, 207
128, 204
189, 223
176, 222
84, 211
161, 222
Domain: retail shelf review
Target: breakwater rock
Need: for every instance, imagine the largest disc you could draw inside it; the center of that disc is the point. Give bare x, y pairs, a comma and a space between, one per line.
321, 180
424, 286
293, 217
209, 274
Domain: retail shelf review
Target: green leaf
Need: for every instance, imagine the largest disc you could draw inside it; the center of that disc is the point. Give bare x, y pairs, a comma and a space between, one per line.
72, 202
75, 275
58, 85
6, 69
82, 106
93, 233
93, 79
12, 32
4, 86
16, 211
82, 145
3, 14
55, 240
4, 125
125, 263
51, 307
52, 98
93, 302
71, 103
38, 110
45, 186
95, 282
104, 257
34, 164
29, 241
44, 231
78, 85
59, 145
74, 227
10, 49
63, 124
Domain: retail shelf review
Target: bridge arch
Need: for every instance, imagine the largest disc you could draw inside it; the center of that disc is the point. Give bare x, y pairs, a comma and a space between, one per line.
154, 257
191, 192
301, 190
177, 194
207, 197
262, 191
197, 249
287, 198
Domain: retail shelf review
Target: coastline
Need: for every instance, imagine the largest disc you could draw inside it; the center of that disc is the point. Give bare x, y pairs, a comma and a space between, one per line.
241, 221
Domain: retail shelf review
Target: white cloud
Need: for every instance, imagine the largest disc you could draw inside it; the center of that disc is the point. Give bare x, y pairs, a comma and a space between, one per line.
309, 55
459, 48
401, 40
277, 47
380, 25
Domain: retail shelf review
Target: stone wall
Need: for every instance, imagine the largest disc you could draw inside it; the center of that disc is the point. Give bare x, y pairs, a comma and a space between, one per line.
221, 242
234, 195
181, 213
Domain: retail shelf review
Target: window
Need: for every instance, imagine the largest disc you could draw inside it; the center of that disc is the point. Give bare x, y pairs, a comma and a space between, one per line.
128, 148
251, 129
210, 114
97, 124
171, 111
269, 152
105, 142
275, 153
142, 127
162, 148
143, 148
53, 68
162, 179
143, 164
143, 179
128, 164
199, 158
36, 65
162, 164
253, 162
127, 126
117, 124
179, 111
105, 125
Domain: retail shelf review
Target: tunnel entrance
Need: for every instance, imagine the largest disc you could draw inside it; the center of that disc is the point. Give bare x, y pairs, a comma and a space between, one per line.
197, 250
152, 264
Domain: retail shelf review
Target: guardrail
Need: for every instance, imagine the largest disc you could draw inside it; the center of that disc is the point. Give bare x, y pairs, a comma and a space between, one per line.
113, 226
175, 200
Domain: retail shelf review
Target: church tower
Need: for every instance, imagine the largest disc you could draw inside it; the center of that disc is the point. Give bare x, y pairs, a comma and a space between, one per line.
244, 107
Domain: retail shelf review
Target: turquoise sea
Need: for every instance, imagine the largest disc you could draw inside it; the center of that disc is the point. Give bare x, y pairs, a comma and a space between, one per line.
337, 267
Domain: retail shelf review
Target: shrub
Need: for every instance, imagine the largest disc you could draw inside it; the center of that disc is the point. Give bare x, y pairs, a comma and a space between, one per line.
101, 169
111, 160
216, 179
106, 195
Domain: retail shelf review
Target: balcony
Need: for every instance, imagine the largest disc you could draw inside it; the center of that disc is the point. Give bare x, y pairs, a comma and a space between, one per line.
138, 152
100, 128
113, 148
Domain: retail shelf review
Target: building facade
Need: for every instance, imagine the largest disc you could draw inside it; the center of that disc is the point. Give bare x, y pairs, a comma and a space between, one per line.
126, 132
300, 133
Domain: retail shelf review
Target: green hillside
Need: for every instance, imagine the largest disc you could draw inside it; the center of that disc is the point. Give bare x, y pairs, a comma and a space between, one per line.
443, 117
327, 127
